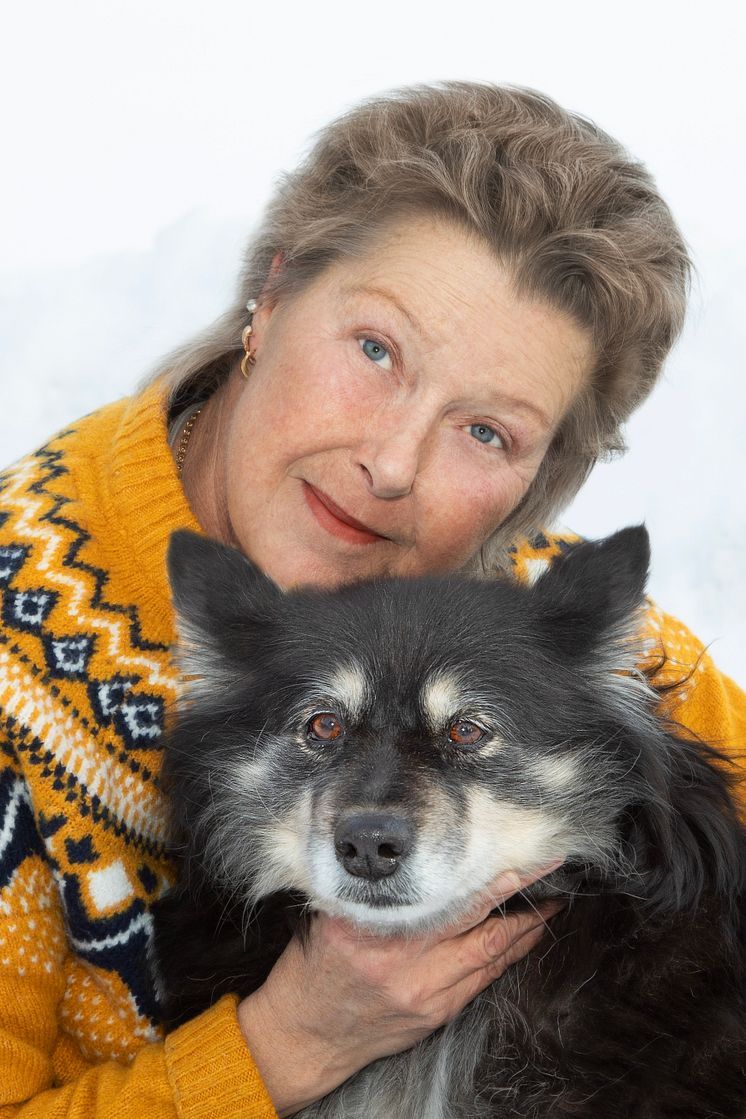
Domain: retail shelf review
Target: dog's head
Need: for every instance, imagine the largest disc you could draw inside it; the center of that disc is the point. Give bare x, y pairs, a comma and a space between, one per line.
388, 748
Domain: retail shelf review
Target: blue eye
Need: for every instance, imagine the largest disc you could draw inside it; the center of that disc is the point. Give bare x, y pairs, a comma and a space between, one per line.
375, 351
486, 435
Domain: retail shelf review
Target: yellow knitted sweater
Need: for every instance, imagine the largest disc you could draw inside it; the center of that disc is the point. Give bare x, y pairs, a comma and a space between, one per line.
86, 675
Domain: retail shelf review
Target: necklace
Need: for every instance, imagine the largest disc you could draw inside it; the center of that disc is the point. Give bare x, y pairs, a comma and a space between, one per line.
184, 441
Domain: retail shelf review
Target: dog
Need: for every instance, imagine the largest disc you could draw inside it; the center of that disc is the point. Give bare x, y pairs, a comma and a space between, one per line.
382, 751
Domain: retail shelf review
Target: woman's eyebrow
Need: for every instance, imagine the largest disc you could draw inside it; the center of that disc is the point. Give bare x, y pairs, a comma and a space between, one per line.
521, 405
381, 293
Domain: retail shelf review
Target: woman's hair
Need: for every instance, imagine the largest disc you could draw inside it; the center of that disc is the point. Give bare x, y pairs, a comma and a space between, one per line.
579, 223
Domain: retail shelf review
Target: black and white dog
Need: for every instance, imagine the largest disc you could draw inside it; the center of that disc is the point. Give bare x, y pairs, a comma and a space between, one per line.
384, 750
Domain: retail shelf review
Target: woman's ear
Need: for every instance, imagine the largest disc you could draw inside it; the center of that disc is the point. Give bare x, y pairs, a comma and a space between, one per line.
267, 301
275, 268
268, 295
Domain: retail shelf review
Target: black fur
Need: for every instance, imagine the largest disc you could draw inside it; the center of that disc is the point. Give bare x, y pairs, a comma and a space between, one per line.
634, 1003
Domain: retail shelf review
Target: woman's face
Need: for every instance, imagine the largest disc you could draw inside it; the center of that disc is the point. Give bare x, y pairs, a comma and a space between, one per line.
408, 391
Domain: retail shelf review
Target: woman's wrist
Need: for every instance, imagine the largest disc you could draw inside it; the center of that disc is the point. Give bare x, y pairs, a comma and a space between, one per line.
296, 1070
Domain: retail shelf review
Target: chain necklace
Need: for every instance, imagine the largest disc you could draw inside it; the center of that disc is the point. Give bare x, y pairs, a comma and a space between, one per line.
184, 441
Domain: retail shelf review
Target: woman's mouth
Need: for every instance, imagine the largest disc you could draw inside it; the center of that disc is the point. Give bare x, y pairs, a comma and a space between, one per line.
336, 520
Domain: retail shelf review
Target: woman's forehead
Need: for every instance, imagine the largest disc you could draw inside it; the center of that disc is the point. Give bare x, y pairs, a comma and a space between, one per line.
426, 257
433, 270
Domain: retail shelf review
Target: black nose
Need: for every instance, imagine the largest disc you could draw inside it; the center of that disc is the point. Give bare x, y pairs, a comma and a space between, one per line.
371, 844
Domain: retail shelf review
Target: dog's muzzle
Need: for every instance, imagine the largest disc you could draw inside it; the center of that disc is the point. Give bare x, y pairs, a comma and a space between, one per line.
372, 844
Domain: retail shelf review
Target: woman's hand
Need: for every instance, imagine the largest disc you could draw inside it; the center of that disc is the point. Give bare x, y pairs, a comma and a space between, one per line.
347, 998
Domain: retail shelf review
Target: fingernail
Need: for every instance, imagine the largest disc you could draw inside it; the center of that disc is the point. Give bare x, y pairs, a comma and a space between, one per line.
508, 883
543, 871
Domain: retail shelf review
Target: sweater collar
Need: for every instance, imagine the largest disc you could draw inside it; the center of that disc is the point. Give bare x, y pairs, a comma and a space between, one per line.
147, 501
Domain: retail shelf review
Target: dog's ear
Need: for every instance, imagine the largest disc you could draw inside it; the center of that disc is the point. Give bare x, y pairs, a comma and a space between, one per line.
593, 592
214, 585
224, 606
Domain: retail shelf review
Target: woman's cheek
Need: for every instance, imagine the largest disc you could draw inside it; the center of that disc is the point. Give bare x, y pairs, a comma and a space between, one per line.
338, 389
467, 503
500, 489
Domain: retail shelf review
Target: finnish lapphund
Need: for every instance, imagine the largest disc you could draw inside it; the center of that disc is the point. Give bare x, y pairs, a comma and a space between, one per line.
384, 750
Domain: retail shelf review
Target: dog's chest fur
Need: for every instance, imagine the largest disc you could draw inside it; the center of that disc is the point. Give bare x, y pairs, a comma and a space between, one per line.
579, 1032
432, 1081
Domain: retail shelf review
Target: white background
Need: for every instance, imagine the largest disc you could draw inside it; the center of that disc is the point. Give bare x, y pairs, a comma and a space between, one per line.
140, 142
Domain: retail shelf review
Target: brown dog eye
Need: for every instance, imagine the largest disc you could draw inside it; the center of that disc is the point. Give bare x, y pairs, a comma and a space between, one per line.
465, 733
325, 727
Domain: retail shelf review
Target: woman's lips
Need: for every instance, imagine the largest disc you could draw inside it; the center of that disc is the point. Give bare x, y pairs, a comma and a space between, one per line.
335, 520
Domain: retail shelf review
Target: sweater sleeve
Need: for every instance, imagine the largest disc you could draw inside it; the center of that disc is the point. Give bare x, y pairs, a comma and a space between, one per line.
202, 1069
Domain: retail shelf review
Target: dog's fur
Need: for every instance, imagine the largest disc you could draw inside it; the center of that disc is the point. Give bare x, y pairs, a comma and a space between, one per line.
633, 1004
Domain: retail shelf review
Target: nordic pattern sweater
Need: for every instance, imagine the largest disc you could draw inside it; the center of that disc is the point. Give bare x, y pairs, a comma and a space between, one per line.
86, 678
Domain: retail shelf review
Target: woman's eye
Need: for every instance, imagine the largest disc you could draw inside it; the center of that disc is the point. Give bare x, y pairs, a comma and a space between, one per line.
486, 435
324, 727
376, 352
465, 733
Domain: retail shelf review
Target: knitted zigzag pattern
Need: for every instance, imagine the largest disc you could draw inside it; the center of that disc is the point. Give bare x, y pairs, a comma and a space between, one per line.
83, 694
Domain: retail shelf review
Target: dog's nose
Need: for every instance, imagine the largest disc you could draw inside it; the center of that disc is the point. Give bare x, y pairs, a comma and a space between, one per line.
371, 844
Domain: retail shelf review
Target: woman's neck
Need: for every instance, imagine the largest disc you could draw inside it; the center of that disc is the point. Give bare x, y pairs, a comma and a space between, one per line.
203, 468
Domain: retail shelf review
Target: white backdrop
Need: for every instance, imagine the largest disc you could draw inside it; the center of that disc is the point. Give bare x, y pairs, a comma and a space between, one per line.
140, 141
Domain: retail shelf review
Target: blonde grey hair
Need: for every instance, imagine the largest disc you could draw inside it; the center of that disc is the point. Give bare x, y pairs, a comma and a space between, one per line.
579, 223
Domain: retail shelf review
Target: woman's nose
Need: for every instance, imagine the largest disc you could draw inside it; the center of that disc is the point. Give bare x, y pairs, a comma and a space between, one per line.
392, 455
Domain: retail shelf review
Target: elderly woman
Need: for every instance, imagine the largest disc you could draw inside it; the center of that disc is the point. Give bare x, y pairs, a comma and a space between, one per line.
449, 310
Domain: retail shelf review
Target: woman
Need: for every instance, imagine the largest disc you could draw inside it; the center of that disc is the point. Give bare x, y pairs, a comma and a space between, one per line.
448, 312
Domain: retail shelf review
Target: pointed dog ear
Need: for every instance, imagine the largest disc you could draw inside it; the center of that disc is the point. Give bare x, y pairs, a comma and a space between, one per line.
223, 602
214, 585
592, 594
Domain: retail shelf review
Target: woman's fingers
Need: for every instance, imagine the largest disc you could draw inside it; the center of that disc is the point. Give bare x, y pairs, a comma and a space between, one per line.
516, 948
503, 938
498, 941
496, 893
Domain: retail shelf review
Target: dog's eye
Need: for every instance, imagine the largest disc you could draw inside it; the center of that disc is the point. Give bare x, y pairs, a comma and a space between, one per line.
465, 733
325, 727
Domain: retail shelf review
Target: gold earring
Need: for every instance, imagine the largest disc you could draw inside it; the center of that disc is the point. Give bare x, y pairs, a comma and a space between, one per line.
249, 357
